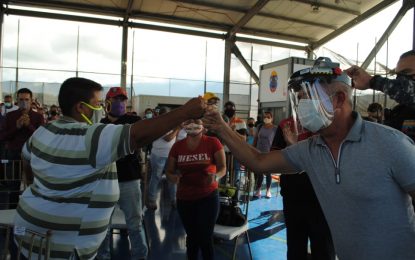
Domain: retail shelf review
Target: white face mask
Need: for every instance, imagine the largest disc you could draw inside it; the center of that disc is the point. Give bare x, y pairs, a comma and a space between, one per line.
193, 129
310, 117
149, 115
267, 120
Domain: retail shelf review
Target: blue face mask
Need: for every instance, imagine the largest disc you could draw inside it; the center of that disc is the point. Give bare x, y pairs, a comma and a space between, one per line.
309, 115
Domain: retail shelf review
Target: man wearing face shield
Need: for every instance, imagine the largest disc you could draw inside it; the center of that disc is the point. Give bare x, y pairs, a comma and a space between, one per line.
357, 168
128, 170
75, 184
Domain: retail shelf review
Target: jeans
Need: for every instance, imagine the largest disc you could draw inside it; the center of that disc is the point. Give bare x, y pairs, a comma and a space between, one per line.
158, 165
199, 218
130, 204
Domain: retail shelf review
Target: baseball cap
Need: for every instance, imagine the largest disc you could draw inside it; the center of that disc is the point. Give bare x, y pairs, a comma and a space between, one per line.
209, 95
116, 91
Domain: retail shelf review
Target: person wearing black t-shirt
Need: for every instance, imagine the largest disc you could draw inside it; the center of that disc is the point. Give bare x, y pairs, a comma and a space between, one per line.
129, 175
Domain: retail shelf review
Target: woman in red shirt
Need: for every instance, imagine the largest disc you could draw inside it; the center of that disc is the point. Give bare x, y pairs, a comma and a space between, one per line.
195, 164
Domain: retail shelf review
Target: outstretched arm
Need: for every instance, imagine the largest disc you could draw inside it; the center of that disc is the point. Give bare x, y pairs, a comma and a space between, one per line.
146, 131
245, 153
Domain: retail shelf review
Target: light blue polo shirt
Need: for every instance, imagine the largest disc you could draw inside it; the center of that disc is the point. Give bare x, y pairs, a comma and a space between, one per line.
366, 205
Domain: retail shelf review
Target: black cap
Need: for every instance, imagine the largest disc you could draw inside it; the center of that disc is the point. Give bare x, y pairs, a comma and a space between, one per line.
324, 69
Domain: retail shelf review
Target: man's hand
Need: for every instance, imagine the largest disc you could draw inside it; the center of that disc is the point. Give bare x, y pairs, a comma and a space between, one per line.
22, 121
195, 107
213, 121
289, 136
26, 120
360, 77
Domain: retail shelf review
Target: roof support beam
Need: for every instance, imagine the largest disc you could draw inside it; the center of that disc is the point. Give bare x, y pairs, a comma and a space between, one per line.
263, 14
328, 6
217, 26
65, 17
76, 7
248, 16
128, 10
407, 4
112, 22
270, 43
374, 10
238, 54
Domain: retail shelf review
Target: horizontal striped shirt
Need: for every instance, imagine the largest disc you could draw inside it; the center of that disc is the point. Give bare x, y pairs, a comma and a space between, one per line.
75, 184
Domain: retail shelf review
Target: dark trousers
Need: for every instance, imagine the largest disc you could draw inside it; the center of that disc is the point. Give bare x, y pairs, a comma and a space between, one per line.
199, 218
305, 220
260, 179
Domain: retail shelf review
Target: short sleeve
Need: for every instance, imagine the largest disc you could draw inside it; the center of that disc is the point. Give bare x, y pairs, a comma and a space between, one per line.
296, 154
174, 150
403, 162
26, 150
216, 144
107, 143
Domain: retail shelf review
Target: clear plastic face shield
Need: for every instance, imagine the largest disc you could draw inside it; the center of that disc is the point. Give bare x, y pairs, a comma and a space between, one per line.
310, 98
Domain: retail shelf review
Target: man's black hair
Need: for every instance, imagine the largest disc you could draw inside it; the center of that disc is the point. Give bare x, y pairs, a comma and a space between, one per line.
25, 90
74, 90
374, 107
229, 103
407, 54
8, 96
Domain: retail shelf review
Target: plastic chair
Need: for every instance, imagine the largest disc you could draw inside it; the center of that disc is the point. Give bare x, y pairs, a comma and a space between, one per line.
230, 233
33, 241
6, 228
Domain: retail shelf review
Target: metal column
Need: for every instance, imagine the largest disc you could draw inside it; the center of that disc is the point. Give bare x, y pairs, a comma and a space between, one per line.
227, 69
2, 9
124, 55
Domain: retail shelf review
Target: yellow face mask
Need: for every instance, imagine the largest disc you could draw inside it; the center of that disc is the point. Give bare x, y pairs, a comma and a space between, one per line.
96, 116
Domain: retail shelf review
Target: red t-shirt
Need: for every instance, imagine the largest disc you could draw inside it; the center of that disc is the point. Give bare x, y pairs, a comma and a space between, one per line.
194, 166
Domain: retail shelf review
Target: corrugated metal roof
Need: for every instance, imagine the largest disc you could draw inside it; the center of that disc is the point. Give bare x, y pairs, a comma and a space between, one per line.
312, 22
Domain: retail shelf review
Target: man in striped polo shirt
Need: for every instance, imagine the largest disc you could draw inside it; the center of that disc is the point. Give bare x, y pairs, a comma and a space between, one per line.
75, 183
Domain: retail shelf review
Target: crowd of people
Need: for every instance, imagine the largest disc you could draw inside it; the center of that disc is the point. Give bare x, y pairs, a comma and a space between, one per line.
339, 172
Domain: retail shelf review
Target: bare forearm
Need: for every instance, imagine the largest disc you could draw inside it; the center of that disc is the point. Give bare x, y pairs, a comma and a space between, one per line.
146, 131
253, 159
